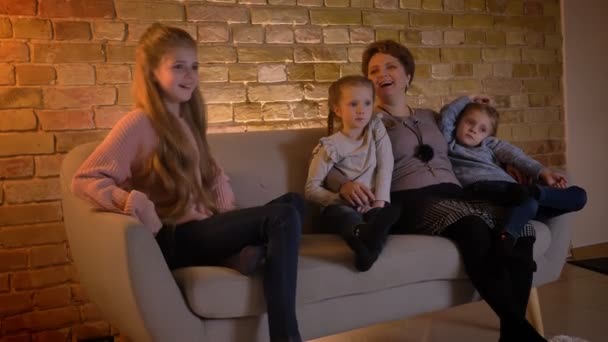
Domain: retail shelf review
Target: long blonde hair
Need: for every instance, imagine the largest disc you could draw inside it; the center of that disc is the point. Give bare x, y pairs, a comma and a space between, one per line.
173, 163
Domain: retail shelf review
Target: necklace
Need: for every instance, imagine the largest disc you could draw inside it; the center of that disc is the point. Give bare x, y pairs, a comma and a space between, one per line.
423, 151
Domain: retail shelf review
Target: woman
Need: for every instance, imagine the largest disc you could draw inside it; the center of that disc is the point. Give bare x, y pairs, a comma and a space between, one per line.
431, 197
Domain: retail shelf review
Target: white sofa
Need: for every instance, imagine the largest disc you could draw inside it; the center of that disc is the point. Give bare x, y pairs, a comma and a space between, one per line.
124, 274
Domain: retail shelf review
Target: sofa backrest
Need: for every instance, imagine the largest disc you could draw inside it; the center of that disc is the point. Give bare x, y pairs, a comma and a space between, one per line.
261, 165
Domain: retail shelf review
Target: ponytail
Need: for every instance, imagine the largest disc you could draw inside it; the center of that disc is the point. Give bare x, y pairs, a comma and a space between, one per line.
330, 122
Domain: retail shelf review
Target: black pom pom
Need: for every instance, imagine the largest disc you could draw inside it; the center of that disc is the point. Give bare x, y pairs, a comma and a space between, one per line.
425, 152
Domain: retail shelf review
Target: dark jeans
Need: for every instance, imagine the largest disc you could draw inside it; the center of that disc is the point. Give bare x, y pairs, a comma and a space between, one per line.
276, 224
540, 202
342, 219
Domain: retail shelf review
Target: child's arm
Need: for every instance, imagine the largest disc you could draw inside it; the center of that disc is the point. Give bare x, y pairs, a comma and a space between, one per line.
110, 164
512, 155
449, 113
319, 167
384, 164
552, 178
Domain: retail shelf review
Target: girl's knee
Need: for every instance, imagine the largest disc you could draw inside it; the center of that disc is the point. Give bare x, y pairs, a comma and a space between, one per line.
296, 200
579, 196
530, 206
288, 217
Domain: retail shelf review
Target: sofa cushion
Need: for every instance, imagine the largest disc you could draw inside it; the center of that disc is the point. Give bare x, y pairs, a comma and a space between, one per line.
326, 270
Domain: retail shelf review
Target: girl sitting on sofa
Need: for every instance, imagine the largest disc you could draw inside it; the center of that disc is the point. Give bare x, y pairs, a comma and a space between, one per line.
361, 150
156, 165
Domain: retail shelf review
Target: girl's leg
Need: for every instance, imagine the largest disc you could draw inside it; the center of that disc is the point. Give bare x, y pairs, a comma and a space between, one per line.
251, 257
499, 192
210, 241
346, 221
490, 277
519, 216
379, 222
294, 199
514, 225
556, 201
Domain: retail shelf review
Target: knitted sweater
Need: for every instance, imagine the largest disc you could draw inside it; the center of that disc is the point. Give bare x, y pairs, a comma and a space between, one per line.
368, 160
483, 162
106, 177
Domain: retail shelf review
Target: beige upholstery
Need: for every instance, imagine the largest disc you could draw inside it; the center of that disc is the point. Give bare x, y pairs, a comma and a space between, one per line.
123, 272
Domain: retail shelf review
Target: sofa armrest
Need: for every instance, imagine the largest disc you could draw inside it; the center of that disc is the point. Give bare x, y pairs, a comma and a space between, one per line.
124, 273
552, 262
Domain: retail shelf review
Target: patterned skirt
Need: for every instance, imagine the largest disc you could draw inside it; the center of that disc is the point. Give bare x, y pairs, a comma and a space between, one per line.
431, 215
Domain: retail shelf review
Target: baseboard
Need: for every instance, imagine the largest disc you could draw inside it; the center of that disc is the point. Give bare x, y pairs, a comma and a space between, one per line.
593, 251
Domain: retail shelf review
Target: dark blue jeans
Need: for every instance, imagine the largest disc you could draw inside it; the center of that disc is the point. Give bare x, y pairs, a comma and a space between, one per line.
342, 219
543, 202
276, 224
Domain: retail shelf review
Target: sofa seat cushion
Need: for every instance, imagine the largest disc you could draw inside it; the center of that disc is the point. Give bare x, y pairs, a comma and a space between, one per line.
326, 271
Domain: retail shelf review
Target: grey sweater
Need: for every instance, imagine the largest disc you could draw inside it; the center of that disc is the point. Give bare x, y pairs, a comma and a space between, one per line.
368, 160
410, 172
483, 162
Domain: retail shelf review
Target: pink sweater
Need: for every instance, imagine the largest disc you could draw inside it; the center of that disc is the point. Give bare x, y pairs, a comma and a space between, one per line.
105, 178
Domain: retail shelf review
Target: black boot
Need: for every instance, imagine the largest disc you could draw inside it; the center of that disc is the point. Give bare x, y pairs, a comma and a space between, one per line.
364, 257
379, 223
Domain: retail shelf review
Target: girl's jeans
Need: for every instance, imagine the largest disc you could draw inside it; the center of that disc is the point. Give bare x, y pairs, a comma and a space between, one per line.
210, 241
547, 202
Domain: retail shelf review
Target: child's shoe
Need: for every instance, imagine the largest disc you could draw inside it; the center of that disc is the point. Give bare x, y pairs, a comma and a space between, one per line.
381, 220
364, 257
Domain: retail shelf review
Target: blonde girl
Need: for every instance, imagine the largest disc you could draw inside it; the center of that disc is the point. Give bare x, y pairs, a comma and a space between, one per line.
361, 150
156, 165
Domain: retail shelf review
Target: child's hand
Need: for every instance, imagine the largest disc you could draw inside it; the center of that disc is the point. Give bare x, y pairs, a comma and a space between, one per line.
375, 204
552, 178
480, 98
356, 194
362, 209
378, 204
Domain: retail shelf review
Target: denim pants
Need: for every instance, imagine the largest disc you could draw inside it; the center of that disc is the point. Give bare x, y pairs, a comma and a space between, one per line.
551, 202
210, 241
342, 219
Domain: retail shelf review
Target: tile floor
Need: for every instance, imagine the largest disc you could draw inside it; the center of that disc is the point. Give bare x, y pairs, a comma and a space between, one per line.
575, 305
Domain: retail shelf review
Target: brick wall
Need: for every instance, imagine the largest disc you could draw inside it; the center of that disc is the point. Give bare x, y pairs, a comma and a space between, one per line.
66, 69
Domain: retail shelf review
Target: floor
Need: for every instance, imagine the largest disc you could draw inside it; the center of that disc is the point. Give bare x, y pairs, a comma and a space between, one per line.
575, 305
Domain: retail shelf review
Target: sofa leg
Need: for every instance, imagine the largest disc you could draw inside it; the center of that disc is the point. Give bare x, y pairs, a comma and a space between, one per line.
533, 311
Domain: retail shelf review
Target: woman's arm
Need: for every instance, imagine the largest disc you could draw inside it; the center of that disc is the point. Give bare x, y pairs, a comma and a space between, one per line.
317, 172
111, 163
384, 162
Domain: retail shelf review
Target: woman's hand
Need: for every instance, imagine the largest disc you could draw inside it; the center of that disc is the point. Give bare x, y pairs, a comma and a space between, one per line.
356, 194
552, 178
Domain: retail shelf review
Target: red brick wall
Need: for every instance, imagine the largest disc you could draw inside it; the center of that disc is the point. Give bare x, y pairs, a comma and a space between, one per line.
65, 74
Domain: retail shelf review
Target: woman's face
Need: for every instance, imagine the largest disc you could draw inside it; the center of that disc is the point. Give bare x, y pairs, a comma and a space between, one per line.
388, 76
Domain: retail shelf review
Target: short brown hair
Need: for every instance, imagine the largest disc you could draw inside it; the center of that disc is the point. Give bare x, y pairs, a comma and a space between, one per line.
335, 92
390, 47
485, 108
